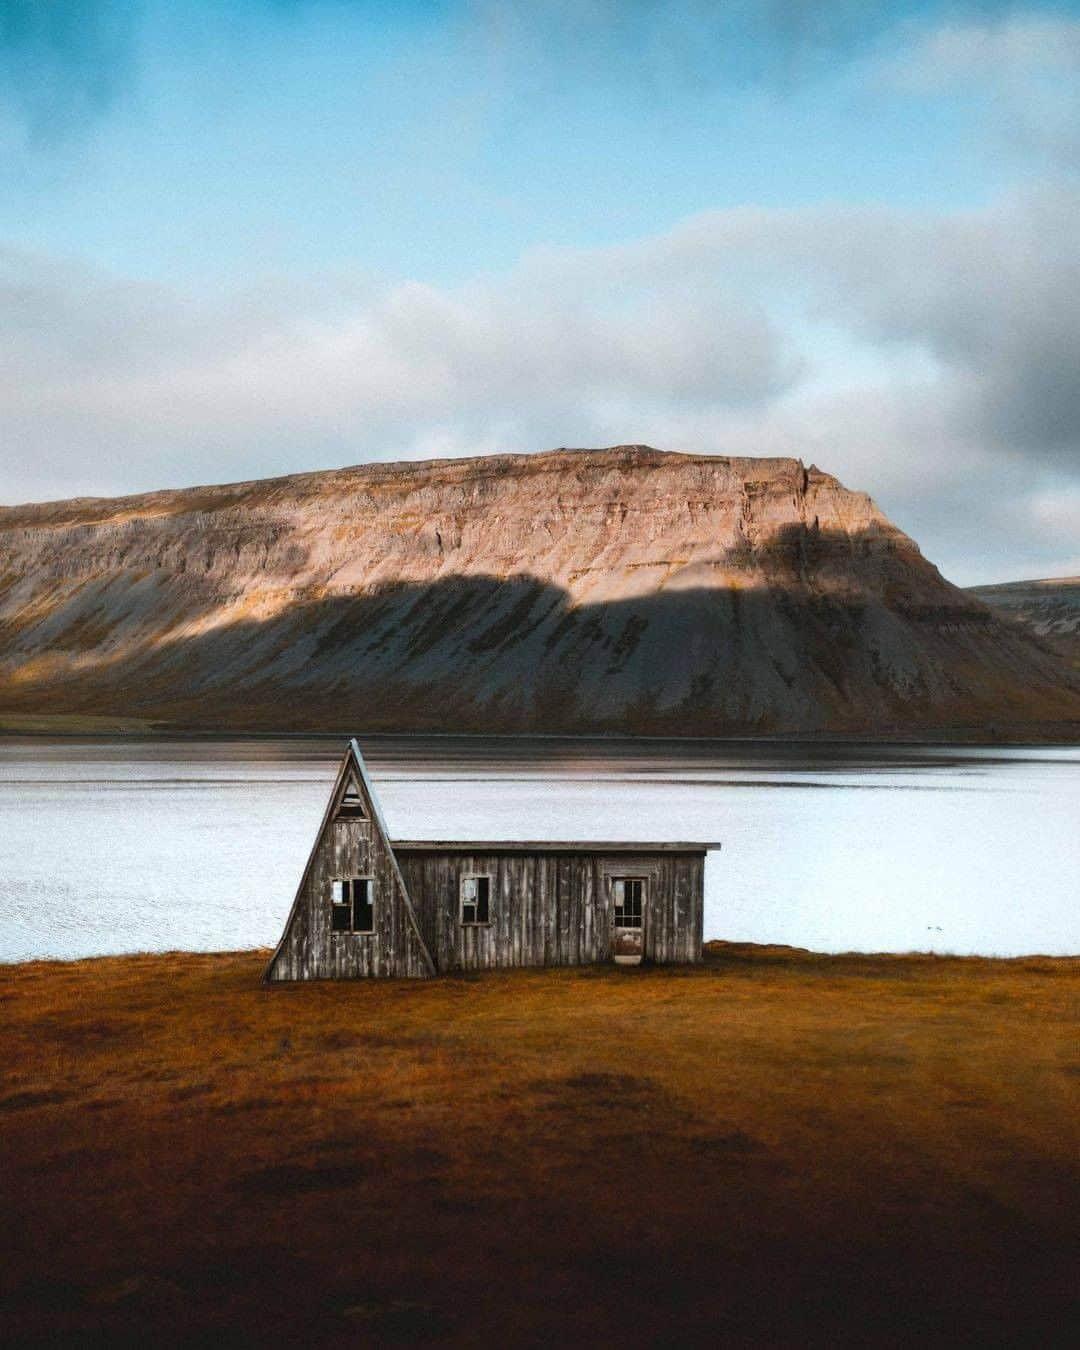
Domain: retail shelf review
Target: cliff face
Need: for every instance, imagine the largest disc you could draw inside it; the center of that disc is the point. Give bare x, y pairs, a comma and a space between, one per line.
575, 590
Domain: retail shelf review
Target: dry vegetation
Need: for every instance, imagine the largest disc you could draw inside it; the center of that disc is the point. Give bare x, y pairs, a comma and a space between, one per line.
773, 1149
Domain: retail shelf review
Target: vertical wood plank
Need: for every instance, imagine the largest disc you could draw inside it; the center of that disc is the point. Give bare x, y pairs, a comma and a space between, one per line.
546, 908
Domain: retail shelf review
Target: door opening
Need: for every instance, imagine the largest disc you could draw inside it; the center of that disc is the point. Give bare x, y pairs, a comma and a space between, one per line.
628, 920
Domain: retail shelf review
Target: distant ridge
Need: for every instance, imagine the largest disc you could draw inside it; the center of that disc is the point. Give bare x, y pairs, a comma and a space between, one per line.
1048, 607
623, 589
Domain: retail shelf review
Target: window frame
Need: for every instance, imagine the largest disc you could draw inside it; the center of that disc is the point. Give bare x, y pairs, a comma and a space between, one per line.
347, 884
463, 922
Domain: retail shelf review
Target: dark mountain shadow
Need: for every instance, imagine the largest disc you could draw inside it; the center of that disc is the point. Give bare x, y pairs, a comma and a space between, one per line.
811, 633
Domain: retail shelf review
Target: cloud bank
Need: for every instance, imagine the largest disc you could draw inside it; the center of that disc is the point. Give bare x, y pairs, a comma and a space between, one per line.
927, 357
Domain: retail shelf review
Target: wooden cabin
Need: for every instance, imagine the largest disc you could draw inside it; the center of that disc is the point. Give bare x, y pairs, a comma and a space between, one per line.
369, 905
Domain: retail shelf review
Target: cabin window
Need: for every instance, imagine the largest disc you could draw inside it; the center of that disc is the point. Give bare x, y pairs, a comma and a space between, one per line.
629, 899
352, 907
351, 806
475, 900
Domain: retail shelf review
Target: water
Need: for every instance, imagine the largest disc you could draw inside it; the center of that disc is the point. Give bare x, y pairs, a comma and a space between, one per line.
127, 845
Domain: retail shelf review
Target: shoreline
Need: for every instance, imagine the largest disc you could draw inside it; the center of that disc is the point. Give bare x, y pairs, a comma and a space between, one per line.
62, 726
750, 953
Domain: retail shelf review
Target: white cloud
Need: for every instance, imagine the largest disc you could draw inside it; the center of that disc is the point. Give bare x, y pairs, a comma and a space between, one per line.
1021, 70
928, 358
1056, 510
1010, 48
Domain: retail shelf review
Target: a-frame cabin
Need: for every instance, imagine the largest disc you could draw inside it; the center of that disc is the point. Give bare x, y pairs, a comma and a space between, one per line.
352, 915
368, 905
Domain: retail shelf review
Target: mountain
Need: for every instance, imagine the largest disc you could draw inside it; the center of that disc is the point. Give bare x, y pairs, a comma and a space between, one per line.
1049, 608
576, 590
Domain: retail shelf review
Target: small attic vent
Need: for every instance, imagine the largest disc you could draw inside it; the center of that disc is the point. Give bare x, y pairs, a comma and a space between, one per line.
351, 806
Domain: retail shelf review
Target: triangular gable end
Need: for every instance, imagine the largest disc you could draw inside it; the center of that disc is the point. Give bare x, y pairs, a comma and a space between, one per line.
352, 915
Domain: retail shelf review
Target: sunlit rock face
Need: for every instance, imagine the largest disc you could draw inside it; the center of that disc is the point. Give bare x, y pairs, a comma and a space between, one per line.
577, 590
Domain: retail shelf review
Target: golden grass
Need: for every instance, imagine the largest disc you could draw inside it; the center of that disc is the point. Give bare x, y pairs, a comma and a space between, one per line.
772, 1149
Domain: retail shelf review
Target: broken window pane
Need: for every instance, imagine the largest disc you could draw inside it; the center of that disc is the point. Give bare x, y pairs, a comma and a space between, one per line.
352, 905
475, 893
363, 908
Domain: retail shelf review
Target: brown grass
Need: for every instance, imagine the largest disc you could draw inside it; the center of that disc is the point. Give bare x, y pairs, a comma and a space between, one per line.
773, 1149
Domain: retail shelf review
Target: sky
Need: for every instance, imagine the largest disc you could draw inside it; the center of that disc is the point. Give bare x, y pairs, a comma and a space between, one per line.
256, 237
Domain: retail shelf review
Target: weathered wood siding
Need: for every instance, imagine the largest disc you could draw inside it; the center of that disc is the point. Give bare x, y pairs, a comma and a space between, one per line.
310, 950
553, 909
548, 904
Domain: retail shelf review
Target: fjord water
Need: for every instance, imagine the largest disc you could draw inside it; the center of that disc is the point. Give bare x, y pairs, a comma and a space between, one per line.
123, 845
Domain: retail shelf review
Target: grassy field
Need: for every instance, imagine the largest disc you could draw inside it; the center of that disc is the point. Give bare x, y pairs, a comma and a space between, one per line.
772, 1149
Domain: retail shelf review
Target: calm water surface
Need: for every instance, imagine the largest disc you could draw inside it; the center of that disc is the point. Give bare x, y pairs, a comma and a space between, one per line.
126, 845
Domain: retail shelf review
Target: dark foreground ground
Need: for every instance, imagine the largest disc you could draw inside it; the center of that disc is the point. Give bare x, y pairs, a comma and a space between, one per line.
774, 1149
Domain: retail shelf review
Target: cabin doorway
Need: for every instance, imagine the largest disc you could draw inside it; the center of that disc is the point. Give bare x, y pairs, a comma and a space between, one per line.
628, 920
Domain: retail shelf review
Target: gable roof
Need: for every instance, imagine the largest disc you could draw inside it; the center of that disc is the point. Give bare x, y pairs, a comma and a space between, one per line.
379, 823
353, 766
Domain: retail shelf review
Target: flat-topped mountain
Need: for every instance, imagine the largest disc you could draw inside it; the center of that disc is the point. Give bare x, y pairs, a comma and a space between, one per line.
576, 590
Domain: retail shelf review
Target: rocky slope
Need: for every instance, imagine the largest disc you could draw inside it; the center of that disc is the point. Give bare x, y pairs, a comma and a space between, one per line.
1049, 608
575, 590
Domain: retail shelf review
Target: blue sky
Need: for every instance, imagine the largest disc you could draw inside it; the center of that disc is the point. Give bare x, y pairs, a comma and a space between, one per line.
247, 238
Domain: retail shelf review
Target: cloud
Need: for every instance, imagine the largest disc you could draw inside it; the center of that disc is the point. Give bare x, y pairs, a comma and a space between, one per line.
63, 62
739, 41
401, 363
928, 357
1010, 48
991, 296
1024, 66
989, 299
